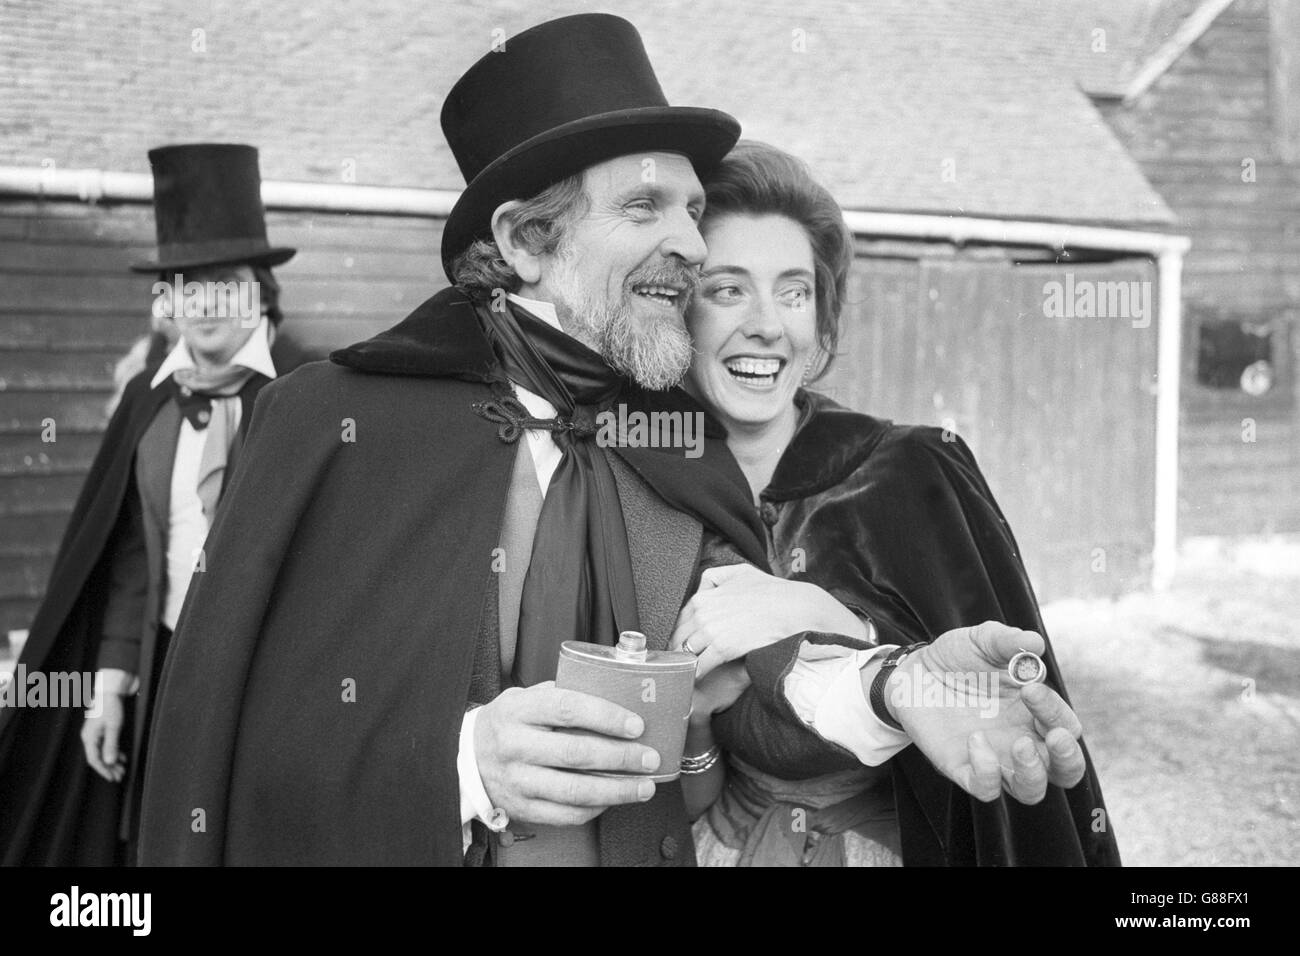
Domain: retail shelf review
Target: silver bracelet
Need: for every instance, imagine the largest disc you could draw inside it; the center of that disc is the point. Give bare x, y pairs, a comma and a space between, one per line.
701, 762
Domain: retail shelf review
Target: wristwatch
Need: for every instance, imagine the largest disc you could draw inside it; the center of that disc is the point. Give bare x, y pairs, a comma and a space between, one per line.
877, 696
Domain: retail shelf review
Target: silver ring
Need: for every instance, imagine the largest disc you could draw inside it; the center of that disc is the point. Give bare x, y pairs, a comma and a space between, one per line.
1026, 668
686, 646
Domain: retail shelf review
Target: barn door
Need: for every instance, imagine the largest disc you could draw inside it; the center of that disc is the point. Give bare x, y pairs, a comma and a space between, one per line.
1055, 396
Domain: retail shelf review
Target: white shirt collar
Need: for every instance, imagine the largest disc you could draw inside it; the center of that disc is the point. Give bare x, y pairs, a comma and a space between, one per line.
254, 354
543, 310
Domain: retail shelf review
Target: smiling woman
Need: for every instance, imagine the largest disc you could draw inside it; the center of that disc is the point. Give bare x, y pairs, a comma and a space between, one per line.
872, 528
766, 317
754, 321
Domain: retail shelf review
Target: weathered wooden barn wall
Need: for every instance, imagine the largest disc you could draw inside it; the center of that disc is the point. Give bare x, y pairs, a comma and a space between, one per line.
1060, 412
1208, 135
69, 309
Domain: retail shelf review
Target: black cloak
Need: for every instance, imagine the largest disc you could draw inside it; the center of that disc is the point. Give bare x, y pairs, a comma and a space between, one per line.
900, 522
54, 809
312, 698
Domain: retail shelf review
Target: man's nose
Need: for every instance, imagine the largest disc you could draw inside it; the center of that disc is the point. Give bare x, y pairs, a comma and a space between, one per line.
684, 239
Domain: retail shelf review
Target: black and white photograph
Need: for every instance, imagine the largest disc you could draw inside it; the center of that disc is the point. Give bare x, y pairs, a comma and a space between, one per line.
743, 433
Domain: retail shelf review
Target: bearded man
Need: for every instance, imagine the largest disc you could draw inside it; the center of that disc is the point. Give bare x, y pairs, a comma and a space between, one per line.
364, 673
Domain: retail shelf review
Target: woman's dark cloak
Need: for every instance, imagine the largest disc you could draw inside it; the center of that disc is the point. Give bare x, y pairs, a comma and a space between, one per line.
900, 522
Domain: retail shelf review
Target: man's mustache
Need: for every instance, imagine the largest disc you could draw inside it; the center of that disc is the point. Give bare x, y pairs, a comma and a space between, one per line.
669, 273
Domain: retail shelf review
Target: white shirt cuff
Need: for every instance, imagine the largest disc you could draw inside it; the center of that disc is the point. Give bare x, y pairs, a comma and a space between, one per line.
113, 680
826, 690
474, 802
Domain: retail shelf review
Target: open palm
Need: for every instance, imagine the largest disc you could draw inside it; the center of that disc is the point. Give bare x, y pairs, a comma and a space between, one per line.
979, 728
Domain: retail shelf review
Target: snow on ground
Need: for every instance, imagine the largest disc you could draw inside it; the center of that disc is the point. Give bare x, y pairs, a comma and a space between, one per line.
1191, 706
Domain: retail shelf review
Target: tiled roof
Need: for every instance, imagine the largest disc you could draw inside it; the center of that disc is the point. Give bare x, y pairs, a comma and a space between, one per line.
944, 106
1102, 44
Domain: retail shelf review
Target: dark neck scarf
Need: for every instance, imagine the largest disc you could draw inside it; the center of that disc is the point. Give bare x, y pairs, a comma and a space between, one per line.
711, 488
579, 584
194, 390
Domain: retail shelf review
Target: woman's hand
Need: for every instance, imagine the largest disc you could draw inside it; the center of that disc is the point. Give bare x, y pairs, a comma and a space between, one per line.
739, 608
718, 690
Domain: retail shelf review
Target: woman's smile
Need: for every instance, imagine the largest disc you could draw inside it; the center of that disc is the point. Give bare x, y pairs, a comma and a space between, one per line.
755, 372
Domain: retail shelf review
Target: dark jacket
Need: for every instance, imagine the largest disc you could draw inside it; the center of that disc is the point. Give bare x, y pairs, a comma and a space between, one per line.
312, 701
900, 522
55, 810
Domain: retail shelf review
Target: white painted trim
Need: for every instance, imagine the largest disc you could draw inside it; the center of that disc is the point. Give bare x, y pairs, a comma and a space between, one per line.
1191, 30
1169, 364
1015, 232
96, 185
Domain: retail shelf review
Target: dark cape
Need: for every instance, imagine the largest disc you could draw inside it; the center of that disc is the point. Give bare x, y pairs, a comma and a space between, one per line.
312, 699
54, 809
899, 522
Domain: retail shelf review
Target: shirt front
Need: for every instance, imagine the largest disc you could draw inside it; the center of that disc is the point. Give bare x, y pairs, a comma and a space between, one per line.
187, 527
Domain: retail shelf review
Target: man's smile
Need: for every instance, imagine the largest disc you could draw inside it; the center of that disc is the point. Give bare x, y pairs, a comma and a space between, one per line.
667, 295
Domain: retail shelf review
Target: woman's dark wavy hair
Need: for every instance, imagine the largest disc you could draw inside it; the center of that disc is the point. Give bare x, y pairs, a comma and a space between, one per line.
758, 179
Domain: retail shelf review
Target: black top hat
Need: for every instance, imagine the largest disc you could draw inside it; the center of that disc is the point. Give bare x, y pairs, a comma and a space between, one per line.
207, 203
560, 97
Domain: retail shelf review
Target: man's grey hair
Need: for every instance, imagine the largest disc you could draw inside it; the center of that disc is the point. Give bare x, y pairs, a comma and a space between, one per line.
538, 224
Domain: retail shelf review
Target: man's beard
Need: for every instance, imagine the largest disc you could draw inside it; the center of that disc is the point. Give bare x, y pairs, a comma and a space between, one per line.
654, 352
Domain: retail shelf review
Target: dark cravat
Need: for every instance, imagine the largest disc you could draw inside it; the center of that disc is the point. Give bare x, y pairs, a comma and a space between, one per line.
579, 584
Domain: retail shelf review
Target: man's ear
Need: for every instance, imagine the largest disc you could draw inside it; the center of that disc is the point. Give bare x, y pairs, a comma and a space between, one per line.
526, 263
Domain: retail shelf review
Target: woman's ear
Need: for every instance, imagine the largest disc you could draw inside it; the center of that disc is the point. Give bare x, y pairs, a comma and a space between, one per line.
526, 263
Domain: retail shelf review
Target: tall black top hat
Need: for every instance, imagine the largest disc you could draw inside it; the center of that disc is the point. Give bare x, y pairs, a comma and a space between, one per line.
207, 202
558, 98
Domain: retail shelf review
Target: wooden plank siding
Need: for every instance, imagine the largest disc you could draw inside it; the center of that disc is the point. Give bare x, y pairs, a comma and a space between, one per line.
1060, 412
1191, 133
70, 308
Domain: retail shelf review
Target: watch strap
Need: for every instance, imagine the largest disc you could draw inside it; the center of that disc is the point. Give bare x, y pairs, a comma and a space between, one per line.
876, 698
